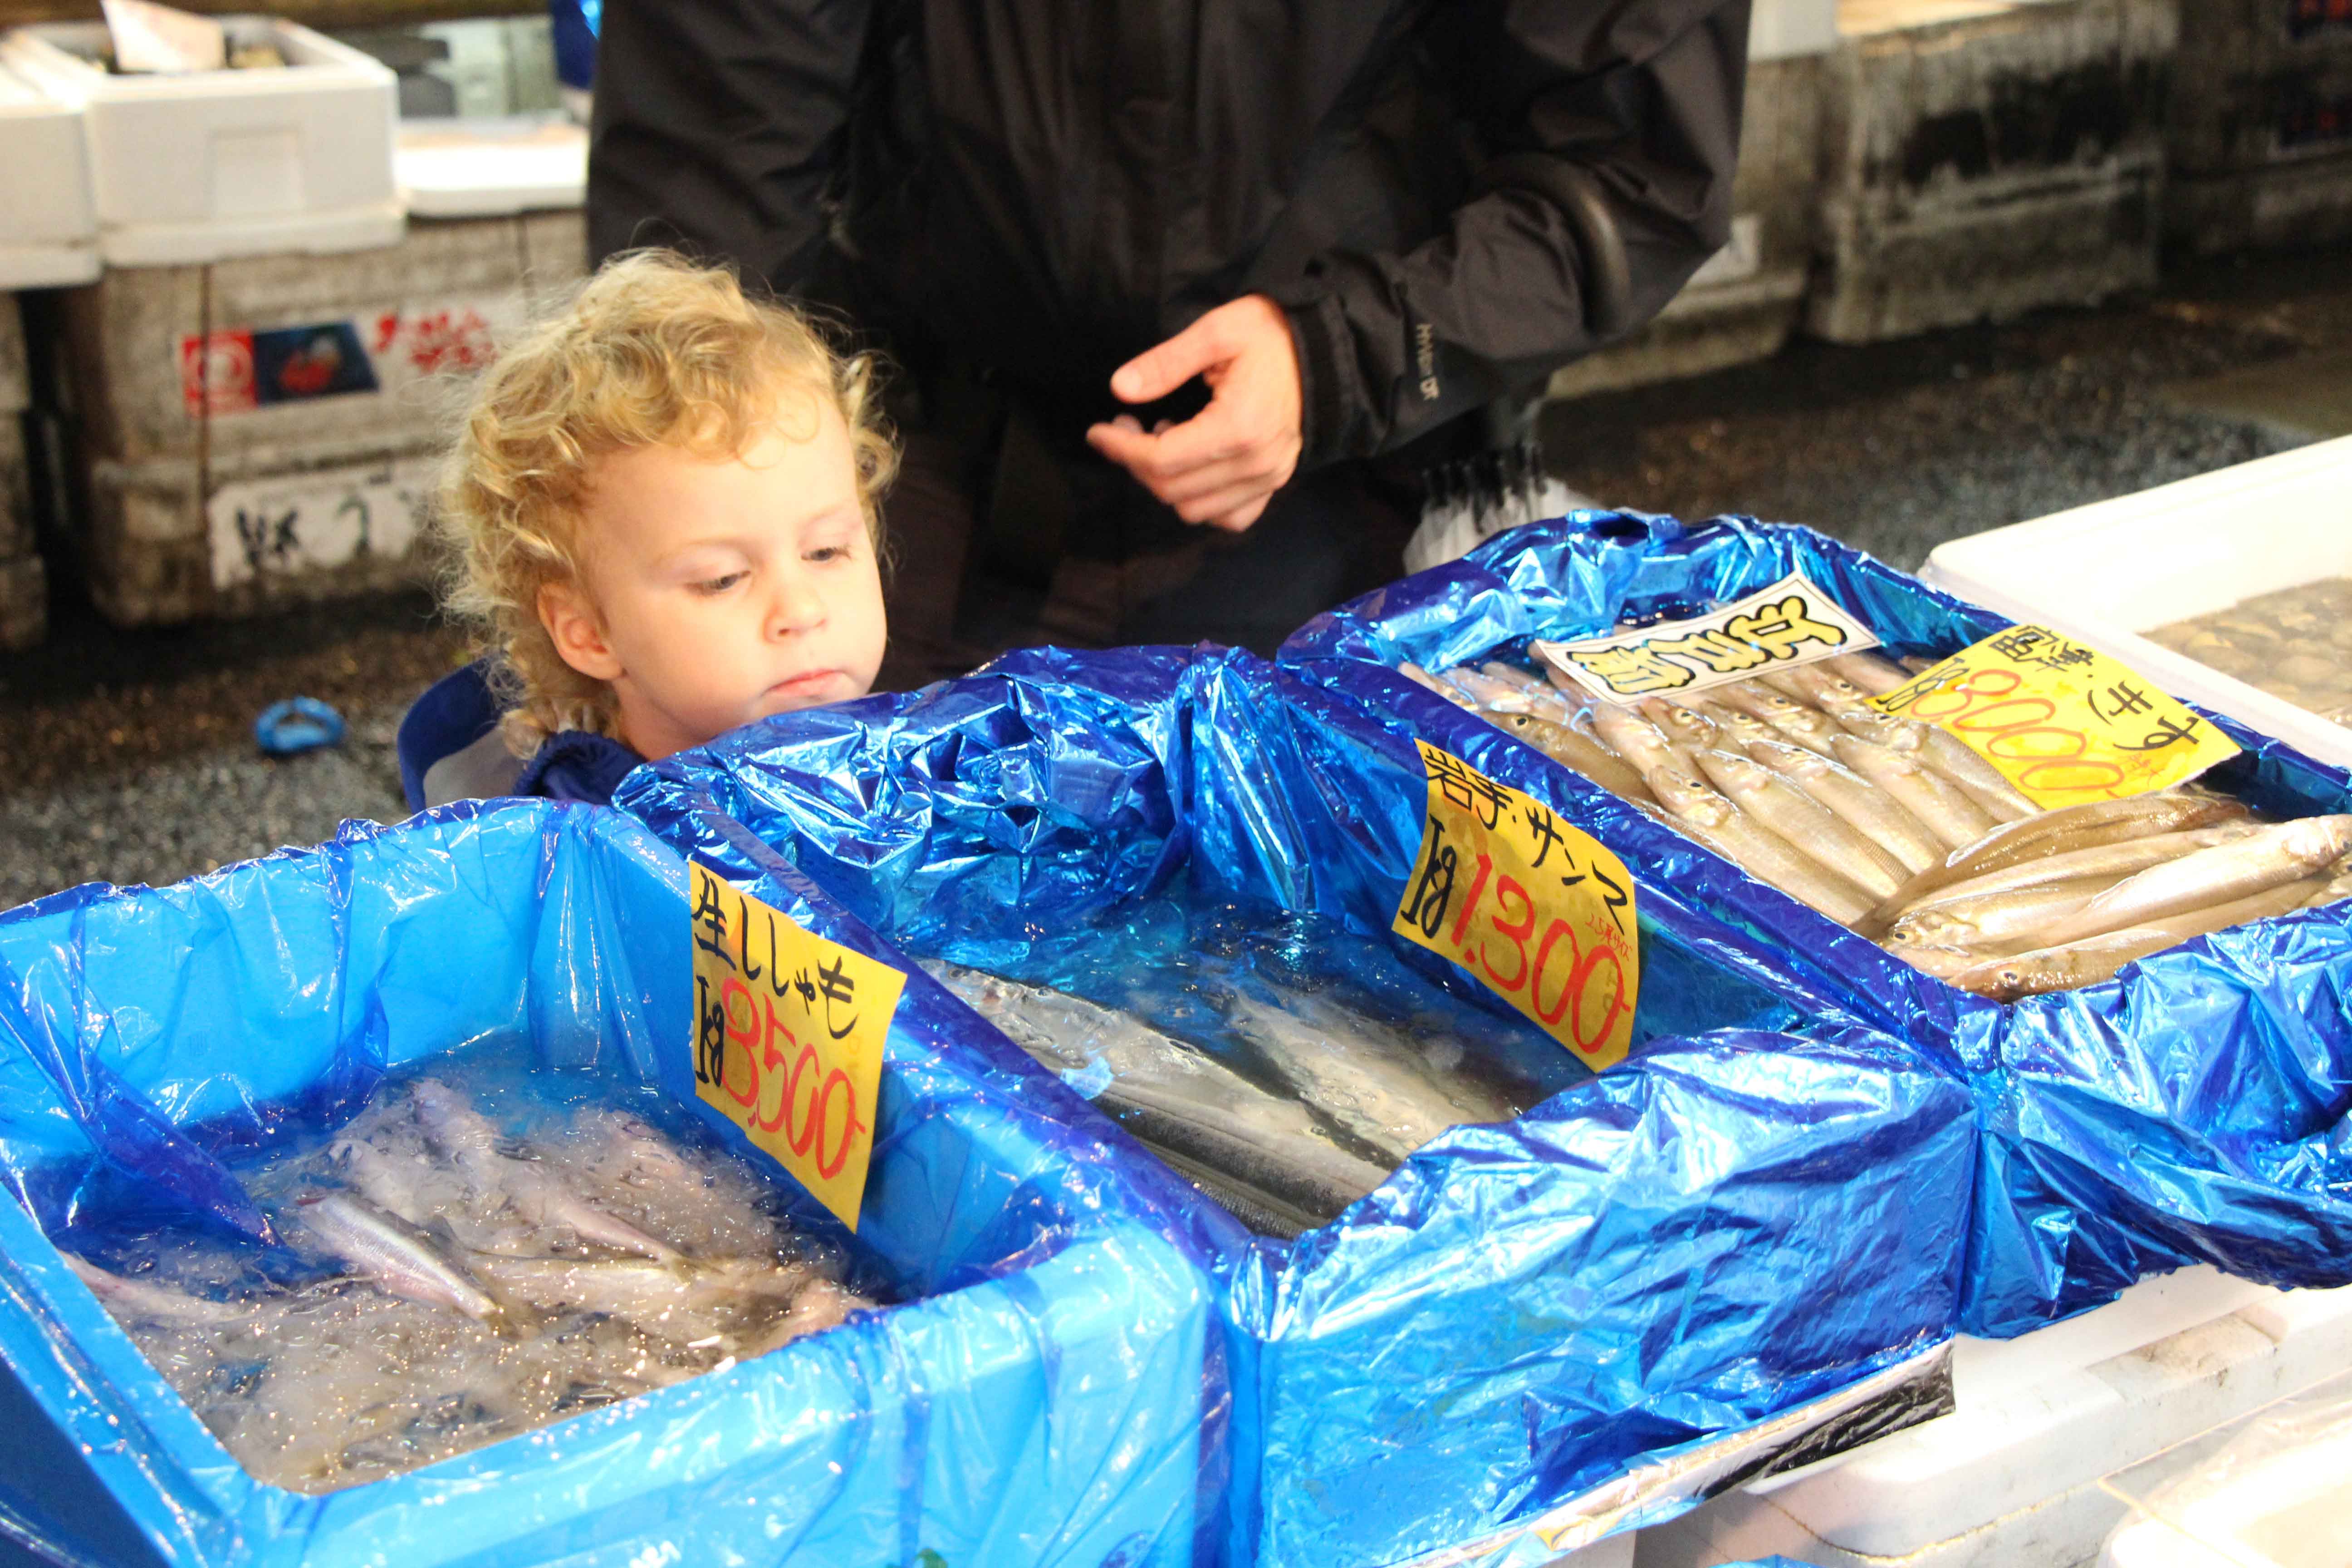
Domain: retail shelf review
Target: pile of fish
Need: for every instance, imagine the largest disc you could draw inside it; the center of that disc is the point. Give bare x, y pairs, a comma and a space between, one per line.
1899, 831
1282, 1103
447, 1281
2296, 644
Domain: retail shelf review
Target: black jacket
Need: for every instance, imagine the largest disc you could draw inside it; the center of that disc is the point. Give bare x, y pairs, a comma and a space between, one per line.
1451, 197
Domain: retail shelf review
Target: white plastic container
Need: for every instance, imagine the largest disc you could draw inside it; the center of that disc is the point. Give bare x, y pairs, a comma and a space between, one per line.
213, 164
48, 229
2017, 1476
492, 168
2108, 572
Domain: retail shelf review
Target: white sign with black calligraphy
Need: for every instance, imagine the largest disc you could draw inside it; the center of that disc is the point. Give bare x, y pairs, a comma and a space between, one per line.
329, 517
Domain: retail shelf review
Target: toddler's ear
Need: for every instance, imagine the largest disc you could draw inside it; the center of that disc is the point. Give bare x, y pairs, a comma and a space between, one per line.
578, 631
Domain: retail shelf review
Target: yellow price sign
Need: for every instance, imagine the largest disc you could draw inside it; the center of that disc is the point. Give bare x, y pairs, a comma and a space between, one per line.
788, 1034
2063, 723
1535, 909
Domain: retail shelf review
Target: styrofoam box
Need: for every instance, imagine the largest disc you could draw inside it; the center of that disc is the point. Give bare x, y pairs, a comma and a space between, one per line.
2012, 1477
213, 164
2287, 1509
48, 230
2108, 572
492, 168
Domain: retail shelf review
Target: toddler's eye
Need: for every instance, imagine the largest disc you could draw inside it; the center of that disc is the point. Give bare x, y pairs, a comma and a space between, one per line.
719, 585
826, 552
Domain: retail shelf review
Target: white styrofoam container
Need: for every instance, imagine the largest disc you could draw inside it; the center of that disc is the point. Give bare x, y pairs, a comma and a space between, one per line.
2289, 1508
2108, 572
214, 164
2012, 1477
48, 229
494, 168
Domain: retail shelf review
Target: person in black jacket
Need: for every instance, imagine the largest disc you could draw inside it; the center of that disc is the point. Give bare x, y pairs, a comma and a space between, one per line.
1157, 264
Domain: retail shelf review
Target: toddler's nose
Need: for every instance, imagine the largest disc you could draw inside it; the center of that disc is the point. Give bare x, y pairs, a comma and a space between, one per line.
796, 607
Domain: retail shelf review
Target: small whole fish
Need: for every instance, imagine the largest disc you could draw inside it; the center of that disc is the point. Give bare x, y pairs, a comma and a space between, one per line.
141, 1301
1723, 827
2092, 959
2112, 861
2265, 858
1636, 739
822, 1306
1948, 754
1806, 825
402, 1263
1875, 673
1935, 800
1577, 752
1682, 725
538, 1197
2065, 829
1790, 720
1873, 812
2013, 917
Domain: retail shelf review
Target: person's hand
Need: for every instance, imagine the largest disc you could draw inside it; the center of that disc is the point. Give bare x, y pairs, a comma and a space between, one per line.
1221, 465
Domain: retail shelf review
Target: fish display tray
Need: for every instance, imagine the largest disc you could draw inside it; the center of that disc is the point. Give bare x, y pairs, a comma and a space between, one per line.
1046, 1392
1491, 1359
2108, 572
2022, 1471
211, 164
48, 230
2180, 1111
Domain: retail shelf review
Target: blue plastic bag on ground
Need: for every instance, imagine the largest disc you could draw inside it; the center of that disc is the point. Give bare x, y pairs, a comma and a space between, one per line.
2190, 1109
1048, 1390
1532, 1334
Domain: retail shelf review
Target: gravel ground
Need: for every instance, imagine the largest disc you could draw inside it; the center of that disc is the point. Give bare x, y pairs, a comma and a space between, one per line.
136, 762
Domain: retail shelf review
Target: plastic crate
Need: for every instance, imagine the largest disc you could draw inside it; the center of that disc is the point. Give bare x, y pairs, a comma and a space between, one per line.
2108, 572
231, 163
48, 229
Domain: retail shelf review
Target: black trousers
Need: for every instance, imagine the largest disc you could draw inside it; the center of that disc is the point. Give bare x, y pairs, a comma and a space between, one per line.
1005, 529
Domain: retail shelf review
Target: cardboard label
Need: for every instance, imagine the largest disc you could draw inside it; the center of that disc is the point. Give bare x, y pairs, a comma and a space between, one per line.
1789, 624
787, 1037
2063, 723
303, 522
237, 370
1536, 910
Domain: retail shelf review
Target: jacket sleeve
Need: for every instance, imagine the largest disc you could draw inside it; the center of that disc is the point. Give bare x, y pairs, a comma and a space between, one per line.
717, 127
1609, 137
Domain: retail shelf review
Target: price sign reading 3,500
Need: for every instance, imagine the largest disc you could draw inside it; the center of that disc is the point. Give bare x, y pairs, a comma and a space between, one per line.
1535, 909
788, 1035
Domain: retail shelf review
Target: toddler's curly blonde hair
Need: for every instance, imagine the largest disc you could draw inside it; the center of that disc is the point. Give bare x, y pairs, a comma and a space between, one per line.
654, 351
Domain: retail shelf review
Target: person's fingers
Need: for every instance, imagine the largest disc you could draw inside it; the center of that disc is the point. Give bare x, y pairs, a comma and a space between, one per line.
1123, 442
1130, 422
1161, 370
1212, 478
1218, 509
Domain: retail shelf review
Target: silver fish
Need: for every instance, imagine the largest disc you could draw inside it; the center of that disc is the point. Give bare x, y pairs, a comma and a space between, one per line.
1935, 800
1754, 849
1828, 690
2287, 852
1577, 752
137, 1301
1487, 691
1744, 729
537, 1196
1685, 724
822, 1306
1948, 755
403, 1264
2113, 861
1876, 813
2092, 959
1361, 1075
1634, 738
2012, 917
1174, 1097
1875, 673
647, 1293
2065, 829
1808, 826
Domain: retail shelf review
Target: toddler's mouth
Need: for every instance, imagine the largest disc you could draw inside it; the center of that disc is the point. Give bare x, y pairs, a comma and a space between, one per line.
805, 684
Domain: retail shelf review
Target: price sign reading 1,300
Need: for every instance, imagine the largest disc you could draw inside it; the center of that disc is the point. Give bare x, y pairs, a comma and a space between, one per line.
1532, 907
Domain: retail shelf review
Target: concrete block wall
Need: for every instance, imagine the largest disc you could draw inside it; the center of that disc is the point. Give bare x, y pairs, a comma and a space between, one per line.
265, 430
23, 581
2260, 131
1983, 159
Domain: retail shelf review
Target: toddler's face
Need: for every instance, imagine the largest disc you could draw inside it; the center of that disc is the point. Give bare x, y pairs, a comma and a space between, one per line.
722, 590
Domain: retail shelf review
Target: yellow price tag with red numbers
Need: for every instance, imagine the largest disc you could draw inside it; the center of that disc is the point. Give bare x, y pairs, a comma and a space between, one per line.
2063, 723
1535, 909
788, 1035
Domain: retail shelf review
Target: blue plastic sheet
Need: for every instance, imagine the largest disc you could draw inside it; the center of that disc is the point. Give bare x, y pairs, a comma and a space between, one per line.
1051, 1388
1764, 1206
2190, 1109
